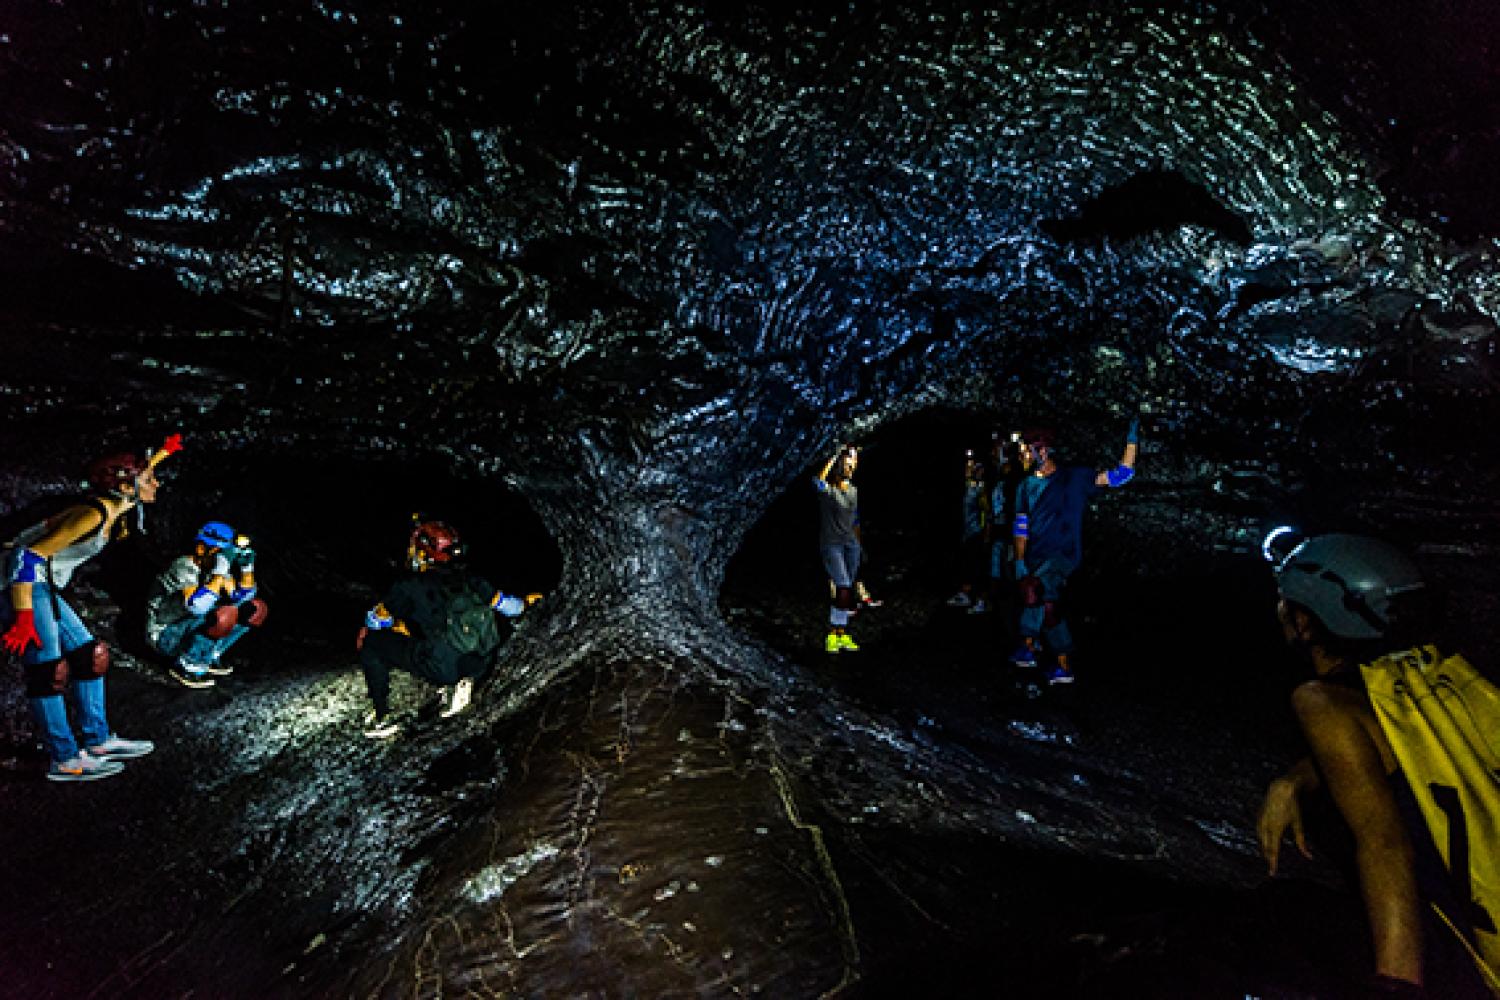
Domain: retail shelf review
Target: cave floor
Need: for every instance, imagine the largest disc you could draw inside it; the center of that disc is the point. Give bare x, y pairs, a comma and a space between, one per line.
126, 886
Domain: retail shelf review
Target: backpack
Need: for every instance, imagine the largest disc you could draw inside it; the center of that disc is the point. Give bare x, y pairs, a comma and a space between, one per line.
469, 621
1442, 719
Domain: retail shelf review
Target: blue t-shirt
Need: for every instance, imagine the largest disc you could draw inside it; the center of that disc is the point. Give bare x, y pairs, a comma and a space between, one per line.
1054, 511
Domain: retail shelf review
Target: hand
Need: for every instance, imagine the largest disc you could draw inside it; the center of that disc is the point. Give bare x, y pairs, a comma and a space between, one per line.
22, 632
533, 599
243, 560
1021, 572
359, 640
172, 445
1279, 812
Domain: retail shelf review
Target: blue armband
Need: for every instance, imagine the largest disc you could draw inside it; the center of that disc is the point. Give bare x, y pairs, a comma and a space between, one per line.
1019, 531
508, 606
1119, 475
1133, 432
239, 594
375, 620
820, 485
202, 601
29, 568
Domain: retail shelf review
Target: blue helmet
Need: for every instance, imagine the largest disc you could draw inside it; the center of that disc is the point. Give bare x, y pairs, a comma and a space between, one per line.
216, 535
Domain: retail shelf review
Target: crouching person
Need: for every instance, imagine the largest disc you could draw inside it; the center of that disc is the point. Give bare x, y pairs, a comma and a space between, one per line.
436, 622
203, 603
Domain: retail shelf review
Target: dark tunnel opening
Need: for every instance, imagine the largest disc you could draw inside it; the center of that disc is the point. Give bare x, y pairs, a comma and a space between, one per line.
1154, 201
331, 533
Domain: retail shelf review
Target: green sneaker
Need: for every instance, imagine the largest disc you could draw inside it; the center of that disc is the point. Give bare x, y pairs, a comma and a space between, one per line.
831, 644
847, 643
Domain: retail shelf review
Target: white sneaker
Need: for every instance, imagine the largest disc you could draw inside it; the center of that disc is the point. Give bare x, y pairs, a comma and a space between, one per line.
979, 608
959, 600
463, 694
83, 767
381, 727
119, 748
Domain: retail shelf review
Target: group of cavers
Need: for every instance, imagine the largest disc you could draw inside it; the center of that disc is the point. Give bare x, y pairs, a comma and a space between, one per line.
1024, 523
437, 622
1403, 738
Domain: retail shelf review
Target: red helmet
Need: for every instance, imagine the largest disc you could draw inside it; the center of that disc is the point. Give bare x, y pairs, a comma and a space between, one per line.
1043, 436
113, 471
436, 541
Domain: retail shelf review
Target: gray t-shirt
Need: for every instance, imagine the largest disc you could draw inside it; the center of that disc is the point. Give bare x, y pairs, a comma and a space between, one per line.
166, 604
839, 513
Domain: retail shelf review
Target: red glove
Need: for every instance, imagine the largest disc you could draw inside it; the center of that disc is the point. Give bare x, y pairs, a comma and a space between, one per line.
22, 632
172, 445
359, 640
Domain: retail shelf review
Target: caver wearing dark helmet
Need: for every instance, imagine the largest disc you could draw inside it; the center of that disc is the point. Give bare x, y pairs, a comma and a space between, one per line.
436, 622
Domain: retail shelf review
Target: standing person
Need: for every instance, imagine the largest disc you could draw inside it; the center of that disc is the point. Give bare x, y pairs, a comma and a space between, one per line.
58, 653
838, 542
1048, 533
973, 551
203, 603
1010, 458
1380, 717
437, 622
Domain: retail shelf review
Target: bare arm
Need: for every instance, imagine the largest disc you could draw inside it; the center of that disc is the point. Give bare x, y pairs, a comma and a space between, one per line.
1281, 811
1351, 765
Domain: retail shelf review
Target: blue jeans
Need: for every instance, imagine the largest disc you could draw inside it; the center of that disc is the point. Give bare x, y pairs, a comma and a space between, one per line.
1053, 574
61, 631
842, 563
186, 639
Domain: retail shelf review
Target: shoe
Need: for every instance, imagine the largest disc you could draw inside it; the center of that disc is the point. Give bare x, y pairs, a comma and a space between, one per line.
1060, 675
381, 727
979, 608
119, 748
463, 693
959, 600
831, 644
83, 767
219, 668
1024, 656
190, 674
847, 643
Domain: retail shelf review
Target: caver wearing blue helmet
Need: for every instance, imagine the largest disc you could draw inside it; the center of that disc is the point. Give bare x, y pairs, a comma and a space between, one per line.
203, 603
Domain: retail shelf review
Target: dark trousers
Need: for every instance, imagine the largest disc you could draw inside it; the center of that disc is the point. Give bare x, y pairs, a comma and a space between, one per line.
386, 651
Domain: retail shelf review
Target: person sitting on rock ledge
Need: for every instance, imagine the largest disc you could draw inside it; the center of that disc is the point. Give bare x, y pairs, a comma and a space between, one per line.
437, 622
58, 653
203, 603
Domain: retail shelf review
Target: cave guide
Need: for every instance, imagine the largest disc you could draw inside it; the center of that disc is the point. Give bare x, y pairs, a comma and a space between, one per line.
839, 541
58, 653
203, 603
436, 622
1401, 738
1048, 534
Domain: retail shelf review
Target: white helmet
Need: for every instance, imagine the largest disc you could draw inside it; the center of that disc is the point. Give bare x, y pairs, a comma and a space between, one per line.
1349, 582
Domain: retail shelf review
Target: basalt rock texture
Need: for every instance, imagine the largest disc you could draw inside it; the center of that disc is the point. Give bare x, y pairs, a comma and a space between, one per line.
607, 279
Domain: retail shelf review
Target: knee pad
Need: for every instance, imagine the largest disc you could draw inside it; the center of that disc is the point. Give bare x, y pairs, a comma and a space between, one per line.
844, 600
218, 622
1031, 591
89, 660
253, 612
43, 680
1051, 617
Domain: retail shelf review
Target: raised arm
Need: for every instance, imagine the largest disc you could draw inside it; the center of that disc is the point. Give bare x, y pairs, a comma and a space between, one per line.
1122, 473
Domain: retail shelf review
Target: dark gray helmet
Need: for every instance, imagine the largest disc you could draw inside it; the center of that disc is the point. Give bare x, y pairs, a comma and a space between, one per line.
1349, 582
